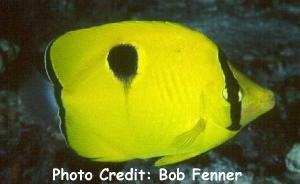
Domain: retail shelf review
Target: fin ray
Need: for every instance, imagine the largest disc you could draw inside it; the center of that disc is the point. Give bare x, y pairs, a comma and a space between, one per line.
187, 138
171, 159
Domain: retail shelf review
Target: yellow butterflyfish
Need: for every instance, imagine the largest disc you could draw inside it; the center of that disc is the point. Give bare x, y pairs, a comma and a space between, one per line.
143, 89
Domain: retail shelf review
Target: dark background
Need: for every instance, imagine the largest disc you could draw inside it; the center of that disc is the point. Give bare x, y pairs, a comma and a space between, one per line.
260, 37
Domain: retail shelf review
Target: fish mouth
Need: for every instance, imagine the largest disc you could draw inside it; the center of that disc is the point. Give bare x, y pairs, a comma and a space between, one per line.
270, 100
263, 104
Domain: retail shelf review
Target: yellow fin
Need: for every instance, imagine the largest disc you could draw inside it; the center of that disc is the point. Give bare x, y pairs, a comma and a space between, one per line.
187, 138
170, 159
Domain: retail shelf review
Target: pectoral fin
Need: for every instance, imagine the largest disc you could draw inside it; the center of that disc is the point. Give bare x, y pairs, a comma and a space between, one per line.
181, 142
170, 159
187, 138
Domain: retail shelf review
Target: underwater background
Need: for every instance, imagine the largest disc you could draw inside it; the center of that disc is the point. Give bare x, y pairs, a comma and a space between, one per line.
260, 37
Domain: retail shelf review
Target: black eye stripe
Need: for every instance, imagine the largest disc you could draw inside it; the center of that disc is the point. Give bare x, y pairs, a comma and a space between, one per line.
232, 91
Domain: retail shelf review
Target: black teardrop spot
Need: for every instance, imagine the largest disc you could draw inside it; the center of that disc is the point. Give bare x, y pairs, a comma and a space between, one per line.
122, 61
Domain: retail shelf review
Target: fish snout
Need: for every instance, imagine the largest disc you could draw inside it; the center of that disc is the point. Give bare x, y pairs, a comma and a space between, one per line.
257, 103
269, 100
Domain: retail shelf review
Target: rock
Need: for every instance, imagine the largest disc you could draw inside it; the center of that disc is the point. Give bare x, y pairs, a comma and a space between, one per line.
292, 160
245, 179
8, 52
271, 180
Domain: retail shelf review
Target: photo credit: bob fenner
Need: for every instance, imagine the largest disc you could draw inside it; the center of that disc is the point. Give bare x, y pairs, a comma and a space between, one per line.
197, 174
134, 174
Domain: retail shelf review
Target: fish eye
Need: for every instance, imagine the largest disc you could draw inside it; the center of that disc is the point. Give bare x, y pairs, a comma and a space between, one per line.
240, 95
225, 93
122, 61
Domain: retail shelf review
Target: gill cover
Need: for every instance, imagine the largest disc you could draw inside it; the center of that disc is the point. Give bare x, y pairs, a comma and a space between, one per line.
142, 89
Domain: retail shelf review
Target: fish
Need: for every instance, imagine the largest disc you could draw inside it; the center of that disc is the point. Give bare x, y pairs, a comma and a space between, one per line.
144, 89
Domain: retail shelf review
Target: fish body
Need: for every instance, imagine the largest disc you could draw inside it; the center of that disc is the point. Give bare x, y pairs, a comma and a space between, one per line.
143, 89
